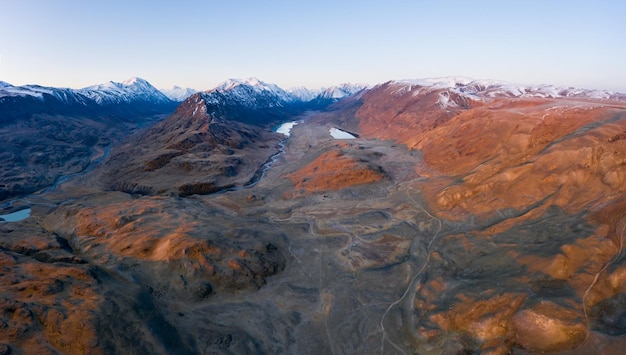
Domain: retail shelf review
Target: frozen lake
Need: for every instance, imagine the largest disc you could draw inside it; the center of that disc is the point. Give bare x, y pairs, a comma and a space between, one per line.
16, 216
285, 128
339, 134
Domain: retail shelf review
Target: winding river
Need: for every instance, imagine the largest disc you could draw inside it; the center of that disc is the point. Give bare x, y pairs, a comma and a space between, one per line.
25, 213
22, 214
284, 129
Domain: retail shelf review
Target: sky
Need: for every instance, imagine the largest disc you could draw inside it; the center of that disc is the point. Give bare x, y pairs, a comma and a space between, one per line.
198, 44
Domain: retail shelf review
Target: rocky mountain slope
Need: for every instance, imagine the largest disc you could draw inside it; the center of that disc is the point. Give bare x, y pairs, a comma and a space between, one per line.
75, 127
530, 184
465, 217
46, 133
191, 152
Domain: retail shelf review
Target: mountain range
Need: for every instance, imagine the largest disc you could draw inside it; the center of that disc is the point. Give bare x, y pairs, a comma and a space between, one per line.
137, 93
451, 215
134, 97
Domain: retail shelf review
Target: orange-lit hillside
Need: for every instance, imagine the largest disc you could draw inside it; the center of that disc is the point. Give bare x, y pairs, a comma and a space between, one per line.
333, 170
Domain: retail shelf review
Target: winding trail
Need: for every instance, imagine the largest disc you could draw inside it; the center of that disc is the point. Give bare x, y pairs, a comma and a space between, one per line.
597, 277
408, 297
325, 307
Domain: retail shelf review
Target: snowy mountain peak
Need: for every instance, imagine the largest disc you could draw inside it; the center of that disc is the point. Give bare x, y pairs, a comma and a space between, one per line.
251, 82
303, 94
134, 80
244, 90
178, 94
340, 91
4, 84
130, 98
130, 90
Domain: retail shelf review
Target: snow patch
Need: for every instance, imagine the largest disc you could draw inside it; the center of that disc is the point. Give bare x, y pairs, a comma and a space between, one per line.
339, 134
445, 102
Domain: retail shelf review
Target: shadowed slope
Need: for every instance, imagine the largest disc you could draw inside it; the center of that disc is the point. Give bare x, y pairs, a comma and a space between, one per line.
191, 152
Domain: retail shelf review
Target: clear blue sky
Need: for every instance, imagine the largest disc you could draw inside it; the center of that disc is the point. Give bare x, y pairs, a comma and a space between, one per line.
76, 43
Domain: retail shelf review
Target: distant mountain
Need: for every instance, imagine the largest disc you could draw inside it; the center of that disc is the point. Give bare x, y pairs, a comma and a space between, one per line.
133, 90
330, 95
250, 101
407, 110
340, 91
494, 88
178, 94
250, 92
303, 94
46, 133
134, 97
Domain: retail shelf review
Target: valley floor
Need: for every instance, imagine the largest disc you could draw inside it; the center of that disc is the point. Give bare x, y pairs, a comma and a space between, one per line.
334, 251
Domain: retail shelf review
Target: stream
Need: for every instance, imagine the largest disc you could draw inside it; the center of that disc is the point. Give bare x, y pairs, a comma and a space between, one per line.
22, 214
62, 179
284, 129
25, 212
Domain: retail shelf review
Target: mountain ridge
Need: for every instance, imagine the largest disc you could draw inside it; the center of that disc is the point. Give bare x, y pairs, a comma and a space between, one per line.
498, 88
135, 97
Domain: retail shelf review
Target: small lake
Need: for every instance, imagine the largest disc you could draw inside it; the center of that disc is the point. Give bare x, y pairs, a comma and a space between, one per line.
286, 127
339, 134
16, 216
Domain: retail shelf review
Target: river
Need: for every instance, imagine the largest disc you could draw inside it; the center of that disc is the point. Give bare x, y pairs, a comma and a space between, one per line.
284, 129
25, 213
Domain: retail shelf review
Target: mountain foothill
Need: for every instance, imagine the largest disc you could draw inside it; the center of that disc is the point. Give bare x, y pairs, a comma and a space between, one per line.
452, 216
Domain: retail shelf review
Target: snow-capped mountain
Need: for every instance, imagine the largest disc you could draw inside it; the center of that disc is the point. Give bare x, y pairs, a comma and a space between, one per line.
340, 91
493, 88
131, 90
330, 95
246, 100
254, 101
250, 92
131, 98
178, 94
63, 94
303, 94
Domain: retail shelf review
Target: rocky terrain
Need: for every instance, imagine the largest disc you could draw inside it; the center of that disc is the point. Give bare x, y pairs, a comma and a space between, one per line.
190, 152
47, 133
465, 218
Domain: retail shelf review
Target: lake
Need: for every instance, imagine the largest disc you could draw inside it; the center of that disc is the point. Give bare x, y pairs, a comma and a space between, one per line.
16, 216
